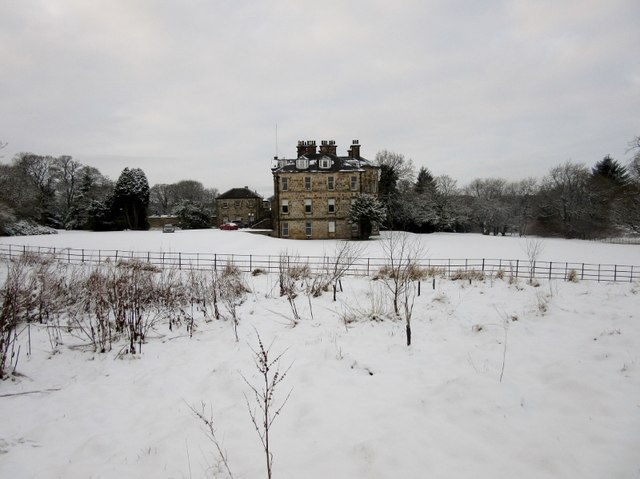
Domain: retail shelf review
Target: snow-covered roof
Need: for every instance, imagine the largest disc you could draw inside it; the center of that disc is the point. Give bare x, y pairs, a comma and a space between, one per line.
322, 162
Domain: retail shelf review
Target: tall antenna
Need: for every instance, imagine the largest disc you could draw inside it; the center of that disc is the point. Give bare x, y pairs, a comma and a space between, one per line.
276, 140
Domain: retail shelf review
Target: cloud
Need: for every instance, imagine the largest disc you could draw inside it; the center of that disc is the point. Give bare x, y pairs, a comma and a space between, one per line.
195, 90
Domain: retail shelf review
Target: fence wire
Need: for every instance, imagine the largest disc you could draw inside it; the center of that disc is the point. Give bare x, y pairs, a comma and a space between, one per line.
448, 267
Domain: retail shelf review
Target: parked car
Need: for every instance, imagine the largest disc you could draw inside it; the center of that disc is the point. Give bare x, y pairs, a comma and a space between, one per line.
239, 224
229, 226
168, 229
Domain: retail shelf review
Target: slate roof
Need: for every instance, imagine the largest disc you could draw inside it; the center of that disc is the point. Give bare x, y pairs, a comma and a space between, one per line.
235, 193
338, 163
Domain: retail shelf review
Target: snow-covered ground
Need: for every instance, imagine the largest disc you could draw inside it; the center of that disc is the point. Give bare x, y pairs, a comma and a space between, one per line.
362, 404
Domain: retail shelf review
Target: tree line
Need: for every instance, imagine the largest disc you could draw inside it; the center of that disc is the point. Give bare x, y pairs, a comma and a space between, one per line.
62, 193
571, 200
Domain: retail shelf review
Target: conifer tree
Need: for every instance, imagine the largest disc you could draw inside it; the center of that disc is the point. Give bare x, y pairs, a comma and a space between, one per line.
366, 211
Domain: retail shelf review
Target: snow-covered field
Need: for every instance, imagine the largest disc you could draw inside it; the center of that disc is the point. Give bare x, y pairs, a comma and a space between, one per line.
362, 404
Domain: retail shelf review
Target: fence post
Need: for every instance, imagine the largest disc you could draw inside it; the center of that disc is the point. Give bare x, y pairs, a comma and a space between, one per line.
631, 278
550, 267
483, 265
68, 255
83, 256
449, 268
615, 273
215, 261
517, 267
368, 260
179, 260
582, 273
598, 273
250, 263
566, 271
116, 256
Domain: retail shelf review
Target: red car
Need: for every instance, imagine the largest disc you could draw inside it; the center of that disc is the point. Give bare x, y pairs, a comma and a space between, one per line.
229, 226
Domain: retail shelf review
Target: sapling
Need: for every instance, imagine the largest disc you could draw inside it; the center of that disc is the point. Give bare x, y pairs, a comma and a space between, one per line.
266, 408
533, 248
400, 273
210, 432
505, 325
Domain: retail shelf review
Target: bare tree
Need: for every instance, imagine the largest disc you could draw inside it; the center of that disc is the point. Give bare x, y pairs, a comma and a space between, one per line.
161, 199
489, 207
68, 171
566, 200
521, 199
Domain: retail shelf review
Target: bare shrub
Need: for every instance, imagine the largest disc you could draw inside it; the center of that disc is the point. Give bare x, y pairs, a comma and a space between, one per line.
467, 275
90, 316
135, 302
233, 291
173, 294
572, 276
542, 302
290, 277
49, 289
205, 292
17, 305
375, 309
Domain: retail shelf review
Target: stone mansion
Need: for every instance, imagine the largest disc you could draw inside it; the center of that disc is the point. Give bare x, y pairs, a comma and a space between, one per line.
314, 191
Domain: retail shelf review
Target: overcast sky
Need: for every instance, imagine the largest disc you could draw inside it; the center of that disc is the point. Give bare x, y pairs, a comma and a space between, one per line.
194, 89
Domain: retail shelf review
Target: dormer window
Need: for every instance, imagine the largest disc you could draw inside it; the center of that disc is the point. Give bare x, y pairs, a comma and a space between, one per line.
302, 163
325, 163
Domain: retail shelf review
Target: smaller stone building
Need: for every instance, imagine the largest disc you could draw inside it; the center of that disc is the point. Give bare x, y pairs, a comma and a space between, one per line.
241, 205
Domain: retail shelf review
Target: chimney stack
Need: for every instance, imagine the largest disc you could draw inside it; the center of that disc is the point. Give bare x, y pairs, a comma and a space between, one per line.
306, 147
354, 151
302, 148
328, 147
311, 147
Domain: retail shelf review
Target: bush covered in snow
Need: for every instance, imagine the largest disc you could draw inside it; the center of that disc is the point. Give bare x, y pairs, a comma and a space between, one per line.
24, 228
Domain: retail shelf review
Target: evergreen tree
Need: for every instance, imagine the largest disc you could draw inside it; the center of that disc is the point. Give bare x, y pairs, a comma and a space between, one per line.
610, 182
193, 216
131, 198
366, 211
425, 182
610, 170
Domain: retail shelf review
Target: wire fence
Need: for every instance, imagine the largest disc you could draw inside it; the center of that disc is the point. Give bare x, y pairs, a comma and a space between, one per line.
449, 268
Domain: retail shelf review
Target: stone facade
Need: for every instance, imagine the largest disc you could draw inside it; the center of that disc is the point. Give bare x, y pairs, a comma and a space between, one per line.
313, 193
239, 204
